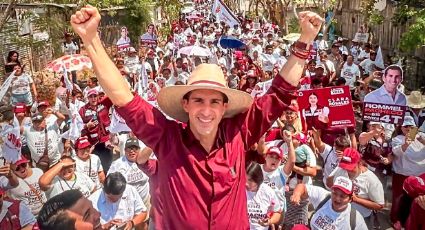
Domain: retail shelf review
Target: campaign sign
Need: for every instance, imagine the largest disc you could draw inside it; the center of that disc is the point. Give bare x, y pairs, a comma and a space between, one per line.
386, 113
328, 107
362, 37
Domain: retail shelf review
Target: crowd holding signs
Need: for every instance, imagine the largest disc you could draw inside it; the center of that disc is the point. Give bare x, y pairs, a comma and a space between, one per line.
225, 124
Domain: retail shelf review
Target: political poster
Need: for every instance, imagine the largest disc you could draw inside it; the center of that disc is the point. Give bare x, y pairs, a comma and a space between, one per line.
329, 107
11, 138
384, 113
149, 39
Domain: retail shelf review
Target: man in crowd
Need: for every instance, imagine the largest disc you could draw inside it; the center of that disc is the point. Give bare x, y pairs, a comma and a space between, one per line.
204, 163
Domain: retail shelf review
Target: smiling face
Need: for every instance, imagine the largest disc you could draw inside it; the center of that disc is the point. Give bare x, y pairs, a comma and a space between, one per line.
312, 99
392, 80
21, 170
205, 108
67, 172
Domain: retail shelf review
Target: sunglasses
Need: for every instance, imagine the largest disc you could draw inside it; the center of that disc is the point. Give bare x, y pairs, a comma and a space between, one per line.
21, 166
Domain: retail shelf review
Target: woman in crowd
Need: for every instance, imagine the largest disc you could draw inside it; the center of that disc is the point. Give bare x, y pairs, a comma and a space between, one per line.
264, 208
21, 87
11, 60
409, 159
28, 190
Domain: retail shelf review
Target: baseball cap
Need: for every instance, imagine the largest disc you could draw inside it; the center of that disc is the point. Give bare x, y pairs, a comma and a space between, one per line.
375, 123
43, 103
414, 186
21, 161
300, 227
82, 143
131, 49
274, 150
408, 121
132, 142
19, 108
320, 66
37, 117
344, 184
92, 92
350, 159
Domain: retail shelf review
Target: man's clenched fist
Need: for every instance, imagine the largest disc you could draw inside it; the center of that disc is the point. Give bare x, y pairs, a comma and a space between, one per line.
85, 22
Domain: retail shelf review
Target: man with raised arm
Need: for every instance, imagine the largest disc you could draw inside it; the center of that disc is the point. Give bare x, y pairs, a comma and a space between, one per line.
202, 167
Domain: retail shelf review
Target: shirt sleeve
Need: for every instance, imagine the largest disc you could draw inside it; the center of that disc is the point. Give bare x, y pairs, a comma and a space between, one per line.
148, 123
25, 215
316, 194
265, 110
98, 164
397, 142
360, 223
150, 167
139, 206
376, 190
325, 152
338, 172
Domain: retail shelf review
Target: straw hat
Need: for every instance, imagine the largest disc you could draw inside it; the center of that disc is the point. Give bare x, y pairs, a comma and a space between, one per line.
205, 76
416, 100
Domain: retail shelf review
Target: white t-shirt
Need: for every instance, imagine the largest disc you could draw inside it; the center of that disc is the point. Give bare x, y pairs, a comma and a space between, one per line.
82, 182
36, 141
33, 198
363, 54
306, 179
25, 215
326, 218
69, 48
259, 204
330, 161
367, 186
133, 175
367, 65
277, 181
84, 167
21, 84
126, 208
350, 74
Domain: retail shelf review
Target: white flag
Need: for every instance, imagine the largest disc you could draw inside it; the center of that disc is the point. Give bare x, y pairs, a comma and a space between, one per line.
6, 85
118, 124
76, 125
68, 83
12, 142
223, 13
379, 61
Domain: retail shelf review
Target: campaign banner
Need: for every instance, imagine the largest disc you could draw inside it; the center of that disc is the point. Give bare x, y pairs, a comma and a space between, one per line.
328, 107
385, 113
223, 13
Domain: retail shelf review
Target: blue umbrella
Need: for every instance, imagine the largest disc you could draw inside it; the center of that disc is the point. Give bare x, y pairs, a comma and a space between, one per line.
229, 42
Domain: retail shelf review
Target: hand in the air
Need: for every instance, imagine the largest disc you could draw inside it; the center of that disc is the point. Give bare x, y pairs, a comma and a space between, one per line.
85, 22
310, 24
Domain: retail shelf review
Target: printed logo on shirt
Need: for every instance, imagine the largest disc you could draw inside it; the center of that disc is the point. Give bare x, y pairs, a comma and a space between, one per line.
323, 222
254, 212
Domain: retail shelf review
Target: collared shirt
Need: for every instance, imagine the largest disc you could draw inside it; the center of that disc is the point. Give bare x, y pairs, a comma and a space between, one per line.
205, 190
125, 209
383, 97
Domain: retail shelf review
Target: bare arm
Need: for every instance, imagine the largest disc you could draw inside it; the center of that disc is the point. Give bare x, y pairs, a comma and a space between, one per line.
34, 90
318, 141
287, 169
85, 22
101, 175
300, 193
144, 155
367, 203
46, 179
365, 137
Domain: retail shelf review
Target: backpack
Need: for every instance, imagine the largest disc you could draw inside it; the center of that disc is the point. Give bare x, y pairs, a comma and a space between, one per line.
323, 202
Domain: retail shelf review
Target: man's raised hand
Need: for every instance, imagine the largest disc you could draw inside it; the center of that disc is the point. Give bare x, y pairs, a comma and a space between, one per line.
310, 24
85, 22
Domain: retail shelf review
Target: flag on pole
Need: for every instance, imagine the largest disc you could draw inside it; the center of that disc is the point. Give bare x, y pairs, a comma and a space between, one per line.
223, 13
6, 85
76, 125
12, 142
379, 61
68, 83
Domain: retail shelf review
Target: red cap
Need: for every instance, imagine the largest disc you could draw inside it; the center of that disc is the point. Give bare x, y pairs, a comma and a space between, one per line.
82, 143
300, 227
21, 161
43, 103
92, 92
414, 185
20, 108
293, 108
274, 150
344, 184
350, 159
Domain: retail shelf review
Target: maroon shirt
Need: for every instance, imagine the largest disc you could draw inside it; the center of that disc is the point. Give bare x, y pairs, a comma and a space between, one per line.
416, 218
100, 113
199, 189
